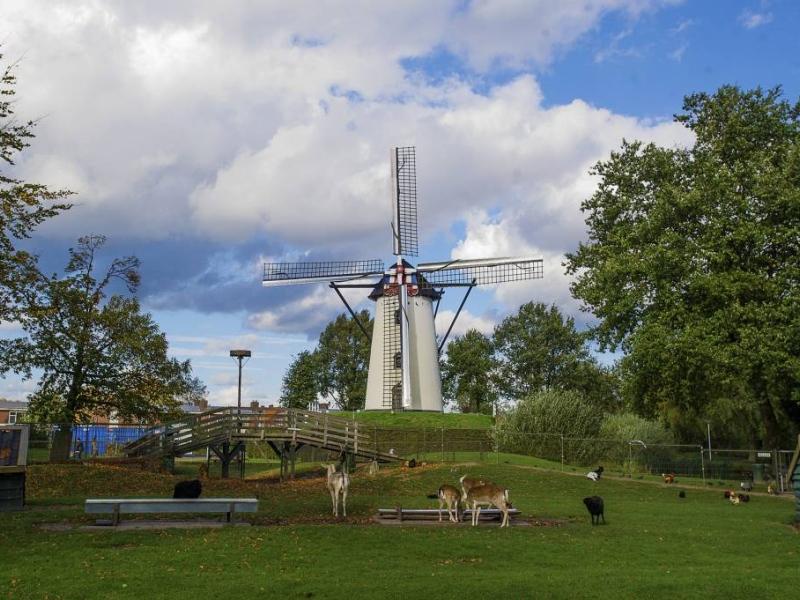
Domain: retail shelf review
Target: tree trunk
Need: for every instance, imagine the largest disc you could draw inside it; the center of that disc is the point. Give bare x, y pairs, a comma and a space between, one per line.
62, 443
772, 429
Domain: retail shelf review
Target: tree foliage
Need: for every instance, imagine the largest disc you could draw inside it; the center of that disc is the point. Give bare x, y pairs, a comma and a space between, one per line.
693, 265
468, 373
23, 206
342, 356
538, 349
301, 381
97, 354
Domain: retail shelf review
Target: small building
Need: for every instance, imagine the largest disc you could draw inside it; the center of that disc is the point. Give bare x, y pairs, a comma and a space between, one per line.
794, 479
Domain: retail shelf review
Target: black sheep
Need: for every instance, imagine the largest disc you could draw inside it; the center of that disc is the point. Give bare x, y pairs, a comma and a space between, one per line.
188, 489
594, 504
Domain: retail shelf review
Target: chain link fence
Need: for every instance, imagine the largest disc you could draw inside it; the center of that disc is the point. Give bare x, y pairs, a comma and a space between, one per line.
626, 458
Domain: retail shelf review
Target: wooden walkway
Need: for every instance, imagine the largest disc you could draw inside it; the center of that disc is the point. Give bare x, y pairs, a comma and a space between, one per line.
225, 430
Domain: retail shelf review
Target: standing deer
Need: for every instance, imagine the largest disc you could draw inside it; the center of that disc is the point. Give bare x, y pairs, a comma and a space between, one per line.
338, 482
467, 483
449, 496
491, 495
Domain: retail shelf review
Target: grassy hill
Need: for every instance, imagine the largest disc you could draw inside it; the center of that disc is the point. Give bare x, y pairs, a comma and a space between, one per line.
421, 419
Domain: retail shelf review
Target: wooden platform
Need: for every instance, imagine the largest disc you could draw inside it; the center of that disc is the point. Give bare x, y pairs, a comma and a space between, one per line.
285, 429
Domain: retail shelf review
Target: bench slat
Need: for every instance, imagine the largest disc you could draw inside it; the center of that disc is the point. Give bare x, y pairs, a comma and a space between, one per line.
171, 505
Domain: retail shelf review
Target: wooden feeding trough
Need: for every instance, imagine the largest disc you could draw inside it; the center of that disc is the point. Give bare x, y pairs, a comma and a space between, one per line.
13, 459
399, 515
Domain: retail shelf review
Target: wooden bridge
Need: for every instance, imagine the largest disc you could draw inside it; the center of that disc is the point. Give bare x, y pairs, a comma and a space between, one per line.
226, 431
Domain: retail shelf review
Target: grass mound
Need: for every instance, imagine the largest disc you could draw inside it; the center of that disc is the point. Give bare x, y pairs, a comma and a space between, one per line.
420, 419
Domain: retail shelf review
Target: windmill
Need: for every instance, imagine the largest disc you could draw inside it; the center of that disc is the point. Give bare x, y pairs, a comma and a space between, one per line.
404, 354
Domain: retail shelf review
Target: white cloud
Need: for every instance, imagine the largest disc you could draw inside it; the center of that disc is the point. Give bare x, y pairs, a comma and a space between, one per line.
466, 321
203, 120
751, 20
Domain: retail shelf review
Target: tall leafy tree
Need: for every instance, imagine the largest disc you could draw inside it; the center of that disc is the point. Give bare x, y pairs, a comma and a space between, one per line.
693, 266
343, 359
539, 349
94, 354
301, 381
468, 373
23, 205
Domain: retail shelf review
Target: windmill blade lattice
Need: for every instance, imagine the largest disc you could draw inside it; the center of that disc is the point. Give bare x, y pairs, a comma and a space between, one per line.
288, 273
404, 201
480, 271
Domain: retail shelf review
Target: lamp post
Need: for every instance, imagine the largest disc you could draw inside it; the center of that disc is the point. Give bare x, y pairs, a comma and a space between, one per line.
240, 355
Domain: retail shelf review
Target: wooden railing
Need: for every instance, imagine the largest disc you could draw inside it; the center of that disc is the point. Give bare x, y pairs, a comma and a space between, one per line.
271, 424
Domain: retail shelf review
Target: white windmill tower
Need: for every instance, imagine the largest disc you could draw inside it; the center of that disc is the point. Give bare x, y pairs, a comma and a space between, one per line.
404, 355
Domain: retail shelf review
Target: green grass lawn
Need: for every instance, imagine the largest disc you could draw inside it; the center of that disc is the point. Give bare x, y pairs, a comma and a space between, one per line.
655, 544
420, 419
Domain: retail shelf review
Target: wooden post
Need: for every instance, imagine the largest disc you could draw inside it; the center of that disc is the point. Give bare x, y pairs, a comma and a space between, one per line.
226, 459
355, 438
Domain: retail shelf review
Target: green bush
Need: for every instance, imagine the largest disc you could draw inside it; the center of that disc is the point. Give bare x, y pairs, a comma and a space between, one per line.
535, 427
619, 429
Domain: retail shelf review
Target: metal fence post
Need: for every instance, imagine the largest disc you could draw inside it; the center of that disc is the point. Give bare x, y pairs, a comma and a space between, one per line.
703, 464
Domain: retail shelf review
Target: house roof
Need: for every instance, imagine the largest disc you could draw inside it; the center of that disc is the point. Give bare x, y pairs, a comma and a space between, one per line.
13, 405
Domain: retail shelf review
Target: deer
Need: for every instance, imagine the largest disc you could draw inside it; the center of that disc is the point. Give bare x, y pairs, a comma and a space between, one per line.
338, 482
467, 483
448, 496
489, 494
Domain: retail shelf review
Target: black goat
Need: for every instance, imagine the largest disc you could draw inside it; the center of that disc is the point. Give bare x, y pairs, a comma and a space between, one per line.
188, 489
594, 504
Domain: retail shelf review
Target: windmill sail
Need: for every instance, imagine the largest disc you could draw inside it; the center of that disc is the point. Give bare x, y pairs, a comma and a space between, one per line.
482, 271
404, 201
289, 273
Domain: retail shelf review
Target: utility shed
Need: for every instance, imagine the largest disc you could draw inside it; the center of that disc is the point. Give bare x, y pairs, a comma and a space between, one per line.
794, 478
13, 458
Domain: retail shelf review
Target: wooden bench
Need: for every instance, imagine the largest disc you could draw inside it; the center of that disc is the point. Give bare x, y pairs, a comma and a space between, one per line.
116, 506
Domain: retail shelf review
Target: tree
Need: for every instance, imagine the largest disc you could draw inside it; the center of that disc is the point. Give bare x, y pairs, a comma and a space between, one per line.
468, 372
539, 349
97, 355
300, 384
23, 206
343, 359
692, 266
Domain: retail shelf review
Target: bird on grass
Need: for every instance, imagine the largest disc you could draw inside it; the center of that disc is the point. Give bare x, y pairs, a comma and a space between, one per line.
596, 474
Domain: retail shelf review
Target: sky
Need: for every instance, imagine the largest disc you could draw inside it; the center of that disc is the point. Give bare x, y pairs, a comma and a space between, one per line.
207, 138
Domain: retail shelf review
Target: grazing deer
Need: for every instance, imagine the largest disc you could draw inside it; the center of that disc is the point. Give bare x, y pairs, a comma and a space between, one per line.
338, 482
491, 495
449, 496
467, 483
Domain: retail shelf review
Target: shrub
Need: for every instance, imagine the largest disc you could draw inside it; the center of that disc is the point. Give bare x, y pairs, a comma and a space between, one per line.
619, 429
535, 426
